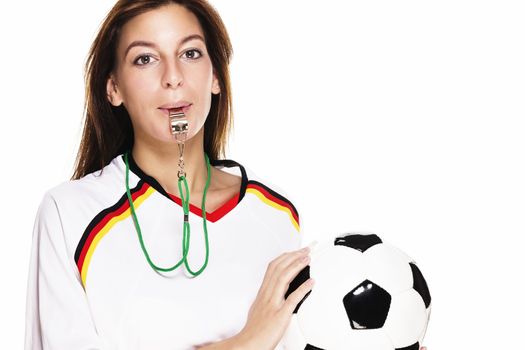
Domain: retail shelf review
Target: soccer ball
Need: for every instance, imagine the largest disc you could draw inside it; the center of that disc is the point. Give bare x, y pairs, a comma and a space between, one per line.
368, 295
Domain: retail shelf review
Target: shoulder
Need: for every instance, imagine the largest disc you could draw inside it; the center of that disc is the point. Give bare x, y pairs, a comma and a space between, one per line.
94, 185
273, 206
275, 209
275, 197
70, 205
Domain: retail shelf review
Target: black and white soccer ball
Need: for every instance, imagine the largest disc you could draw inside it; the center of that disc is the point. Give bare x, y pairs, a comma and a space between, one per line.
368, 295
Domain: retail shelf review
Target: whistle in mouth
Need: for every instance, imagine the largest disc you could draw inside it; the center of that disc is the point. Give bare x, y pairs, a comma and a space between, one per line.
178, 124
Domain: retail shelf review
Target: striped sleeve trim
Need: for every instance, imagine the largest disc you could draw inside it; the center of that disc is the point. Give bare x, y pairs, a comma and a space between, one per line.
274, 199
102, 224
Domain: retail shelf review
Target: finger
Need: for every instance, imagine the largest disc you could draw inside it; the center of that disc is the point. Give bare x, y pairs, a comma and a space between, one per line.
270, 271
268, 284
285, 258
285, 272
286, 277
298, 295
277, 267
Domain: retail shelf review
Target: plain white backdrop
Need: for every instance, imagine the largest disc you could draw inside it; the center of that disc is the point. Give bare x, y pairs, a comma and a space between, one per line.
404, 118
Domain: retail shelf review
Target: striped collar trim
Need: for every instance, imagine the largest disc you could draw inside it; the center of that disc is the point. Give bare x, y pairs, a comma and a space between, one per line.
218, 213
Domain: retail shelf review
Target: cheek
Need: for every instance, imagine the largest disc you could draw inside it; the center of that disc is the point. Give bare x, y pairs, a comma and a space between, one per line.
141, 84
202, 78
203, 87
138, 93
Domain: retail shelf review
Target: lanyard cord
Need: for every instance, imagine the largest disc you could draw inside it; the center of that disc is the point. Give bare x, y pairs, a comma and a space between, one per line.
186, 225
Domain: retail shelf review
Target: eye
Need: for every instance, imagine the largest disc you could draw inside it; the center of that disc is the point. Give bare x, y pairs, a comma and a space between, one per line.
142, 58
192, 54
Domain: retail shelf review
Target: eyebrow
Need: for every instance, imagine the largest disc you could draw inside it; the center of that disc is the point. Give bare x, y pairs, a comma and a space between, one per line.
153, 45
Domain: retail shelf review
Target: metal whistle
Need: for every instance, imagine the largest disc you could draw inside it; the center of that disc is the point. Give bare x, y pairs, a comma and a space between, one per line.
179, 125
179, 129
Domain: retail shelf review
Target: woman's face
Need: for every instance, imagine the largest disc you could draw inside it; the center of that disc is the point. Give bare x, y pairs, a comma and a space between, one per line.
166, 68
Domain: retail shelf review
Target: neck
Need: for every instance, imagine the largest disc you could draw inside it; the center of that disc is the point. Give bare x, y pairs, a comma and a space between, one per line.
162, 163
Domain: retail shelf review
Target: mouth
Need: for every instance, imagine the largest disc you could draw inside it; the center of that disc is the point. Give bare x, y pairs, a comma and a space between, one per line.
184, 109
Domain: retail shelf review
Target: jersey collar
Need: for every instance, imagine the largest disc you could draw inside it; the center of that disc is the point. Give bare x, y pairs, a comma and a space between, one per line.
218, 163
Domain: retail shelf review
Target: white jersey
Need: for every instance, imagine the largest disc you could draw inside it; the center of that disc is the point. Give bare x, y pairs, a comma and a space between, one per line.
91, 287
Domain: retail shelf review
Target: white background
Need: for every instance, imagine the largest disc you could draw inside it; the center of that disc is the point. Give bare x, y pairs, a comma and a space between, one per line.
404, 118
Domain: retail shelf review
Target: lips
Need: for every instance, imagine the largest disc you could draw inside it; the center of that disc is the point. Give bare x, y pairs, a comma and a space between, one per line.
184, 107
177, 104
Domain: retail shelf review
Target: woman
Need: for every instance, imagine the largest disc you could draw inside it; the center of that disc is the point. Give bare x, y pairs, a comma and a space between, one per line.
113, 263
100, 273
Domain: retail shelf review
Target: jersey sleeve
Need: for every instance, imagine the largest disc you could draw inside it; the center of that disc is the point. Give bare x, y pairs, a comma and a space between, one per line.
294, 240
57, 312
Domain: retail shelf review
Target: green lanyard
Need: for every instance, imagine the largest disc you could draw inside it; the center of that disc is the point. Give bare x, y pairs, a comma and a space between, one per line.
186, 225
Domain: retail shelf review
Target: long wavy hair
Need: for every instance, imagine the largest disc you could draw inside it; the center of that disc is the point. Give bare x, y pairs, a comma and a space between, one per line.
107, 130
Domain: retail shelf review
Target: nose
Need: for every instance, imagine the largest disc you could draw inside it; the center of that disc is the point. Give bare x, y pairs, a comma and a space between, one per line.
172, 75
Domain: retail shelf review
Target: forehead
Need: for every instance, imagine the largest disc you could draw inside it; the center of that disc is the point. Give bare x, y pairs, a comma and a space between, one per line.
165, 25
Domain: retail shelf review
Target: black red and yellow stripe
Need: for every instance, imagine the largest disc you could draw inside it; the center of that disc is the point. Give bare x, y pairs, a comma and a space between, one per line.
103, 223
274, 199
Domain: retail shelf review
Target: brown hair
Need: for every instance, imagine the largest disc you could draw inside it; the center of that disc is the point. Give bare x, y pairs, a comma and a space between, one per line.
107, 129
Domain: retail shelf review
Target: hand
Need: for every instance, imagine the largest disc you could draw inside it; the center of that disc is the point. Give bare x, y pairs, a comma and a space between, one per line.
270, 313
423, 348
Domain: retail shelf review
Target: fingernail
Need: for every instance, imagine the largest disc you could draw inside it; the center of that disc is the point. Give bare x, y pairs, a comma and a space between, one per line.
312, 244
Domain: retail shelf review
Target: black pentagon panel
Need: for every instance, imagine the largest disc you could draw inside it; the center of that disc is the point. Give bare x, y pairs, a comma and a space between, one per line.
420, 285
410, 347
301, 277
311, 347
358, 242
367, 306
